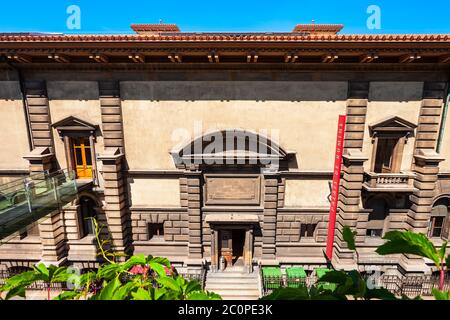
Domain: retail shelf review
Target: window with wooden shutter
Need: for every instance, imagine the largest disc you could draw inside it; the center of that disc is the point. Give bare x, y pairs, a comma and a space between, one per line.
439, 224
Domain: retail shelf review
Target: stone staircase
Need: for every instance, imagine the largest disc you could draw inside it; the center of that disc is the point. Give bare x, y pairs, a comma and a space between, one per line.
234, 285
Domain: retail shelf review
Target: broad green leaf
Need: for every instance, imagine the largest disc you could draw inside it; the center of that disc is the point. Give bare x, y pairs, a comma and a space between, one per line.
169, 283
109, 271
408, 242
160, 260
16, 292
158, 268
338, 277
442, 251
440, 295
59, 275
67, 295
200, 295
447, 261
23, 279
107, 293
379, 293
159, 293
141, 294
192, 286
43, 270
349, 237
133, 261
123, 292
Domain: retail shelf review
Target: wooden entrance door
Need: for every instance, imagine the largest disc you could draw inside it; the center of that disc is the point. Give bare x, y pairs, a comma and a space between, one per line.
82, 151
226, 246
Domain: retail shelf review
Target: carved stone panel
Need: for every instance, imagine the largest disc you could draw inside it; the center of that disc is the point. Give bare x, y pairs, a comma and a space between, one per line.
232, 190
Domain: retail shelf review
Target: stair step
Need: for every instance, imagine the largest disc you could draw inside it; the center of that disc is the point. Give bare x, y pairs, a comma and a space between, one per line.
233, 285
231, 280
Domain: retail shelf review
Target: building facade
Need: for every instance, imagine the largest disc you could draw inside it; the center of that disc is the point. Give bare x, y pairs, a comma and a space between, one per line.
196, 146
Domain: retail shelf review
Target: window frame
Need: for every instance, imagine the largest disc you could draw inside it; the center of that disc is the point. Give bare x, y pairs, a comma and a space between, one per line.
151, 235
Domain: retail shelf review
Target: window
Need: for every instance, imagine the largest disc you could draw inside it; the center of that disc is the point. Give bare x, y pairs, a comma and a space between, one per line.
155, 231
86, 213
79, 145
439, 222
376, 225
389, 137
436, 226
83, 157
386, 157
307, 230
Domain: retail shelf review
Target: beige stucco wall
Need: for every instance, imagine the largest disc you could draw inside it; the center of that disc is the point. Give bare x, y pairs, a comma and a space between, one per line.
154, 192
307, 193
305, 113
74, 98
387, 99
13, 129
445, 146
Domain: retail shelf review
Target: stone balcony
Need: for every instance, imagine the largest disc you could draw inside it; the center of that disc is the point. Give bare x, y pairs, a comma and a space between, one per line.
389, 182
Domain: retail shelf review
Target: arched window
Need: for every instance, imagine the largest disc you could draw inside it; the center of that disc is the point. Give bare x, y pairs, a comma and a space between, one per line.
439, 222
376, 226
87, 211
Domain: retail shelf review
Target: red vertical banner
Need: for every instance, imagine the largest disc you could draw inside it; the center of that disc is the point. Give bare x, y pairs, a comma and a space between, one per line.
336, 182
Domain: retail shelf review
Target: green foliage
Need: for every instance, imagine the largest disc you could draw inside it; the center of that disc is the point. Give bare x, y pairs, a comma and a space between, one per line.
352, 284
349, 237
441, 295
410, 243
138, 278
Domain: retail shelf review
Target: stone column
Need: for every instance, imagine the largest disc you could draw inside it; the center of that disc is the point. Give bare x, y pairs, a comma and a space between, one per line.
426, 170
349, 207
270, 219
51, 232
195, 217
51, 228
116, 211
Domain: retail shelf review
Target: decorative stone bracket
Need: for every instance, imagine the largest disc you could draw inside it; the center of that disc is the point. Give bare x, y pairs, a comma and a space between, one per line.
41, 159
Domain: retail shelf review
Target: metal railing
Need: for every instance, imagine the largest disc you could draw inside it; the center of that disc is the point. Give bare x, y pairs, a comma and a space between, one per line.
25, 201
411, 286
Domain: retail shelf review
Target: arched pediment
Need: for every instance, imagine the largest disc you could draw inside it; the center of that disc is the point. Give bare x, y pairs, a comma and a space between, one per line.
230, 146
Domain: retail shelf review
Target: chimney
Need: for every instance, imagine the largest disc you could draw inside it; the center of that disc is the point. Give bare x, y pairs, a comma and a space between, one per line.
154, 28
318, 29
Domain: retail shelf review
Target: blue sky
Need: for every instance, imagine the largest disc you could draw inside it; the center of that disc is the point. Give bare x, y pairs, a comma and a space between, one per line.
397, 16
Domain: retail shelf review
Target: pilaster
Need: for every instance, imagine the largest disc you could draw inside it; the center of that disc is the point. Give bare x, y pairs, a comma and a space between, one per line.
349, 206
193, 184
271, 184
116, 210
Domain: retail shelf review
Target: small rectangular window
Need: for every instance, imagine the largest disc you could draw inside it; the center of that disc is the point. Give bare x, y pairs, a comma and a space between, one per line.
307, 230
437, 224
155, 230
374, 232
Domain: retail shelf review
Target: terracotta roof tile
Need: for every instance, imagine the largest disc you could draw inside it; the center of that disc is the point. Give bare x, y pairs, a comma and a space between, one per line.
160, 27
223, 37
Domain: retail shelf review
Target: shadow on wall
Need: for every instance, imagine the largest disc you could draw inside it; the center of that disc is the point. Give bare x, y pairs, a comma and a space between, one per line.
225, 91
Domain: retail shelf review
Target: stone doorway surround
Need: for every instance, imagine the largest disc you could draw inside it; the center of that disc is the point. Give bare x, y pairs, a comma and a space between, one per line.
232, 221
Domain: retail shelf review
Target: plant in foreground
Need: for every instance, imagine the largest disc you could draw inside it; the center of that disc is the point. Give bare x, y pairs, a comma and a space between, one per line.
138, 278
352, 284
